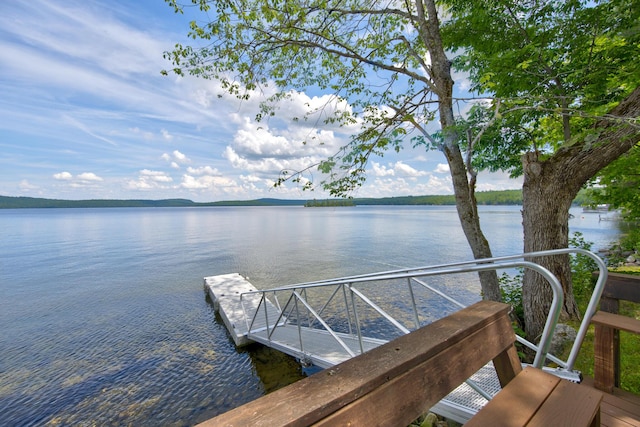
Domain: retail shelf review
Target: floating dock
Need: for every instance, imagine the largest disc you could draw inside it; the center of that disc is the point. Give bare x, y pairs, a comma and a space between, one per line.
230, 292
225, 291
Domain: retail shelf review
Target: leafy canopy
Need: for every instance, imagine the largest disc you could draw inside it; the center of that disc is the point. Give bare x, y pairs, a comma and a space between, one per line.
619, 184
554, 66
368, 52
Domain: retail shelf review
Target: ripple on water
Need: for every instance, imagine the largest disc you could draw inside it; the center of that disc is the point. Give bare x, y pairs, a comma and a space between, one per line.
138, 369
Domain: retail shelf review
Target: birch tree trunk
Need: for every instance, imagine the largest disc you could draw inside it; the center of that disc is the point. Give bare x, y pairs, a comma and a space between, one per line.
464, 190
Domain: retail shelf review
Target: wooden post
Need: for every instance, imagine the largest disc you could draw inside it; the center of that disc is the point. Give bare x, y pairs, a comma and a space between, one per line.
607, 358
607, 328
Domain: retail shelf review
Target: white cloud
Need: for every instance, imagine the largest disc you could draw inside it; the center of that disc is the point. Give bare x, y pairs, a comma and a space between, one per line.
175, 159
149, 179
89, 176
205, 170
27, 186
206, 182
401, 186
180, 157
251, 178
282, 142
442, 168
156, 176
381, 170
398, 168
268, 165
63, 176
258, 140
496, 181
402, 169
146, 135
166, 135
83, 180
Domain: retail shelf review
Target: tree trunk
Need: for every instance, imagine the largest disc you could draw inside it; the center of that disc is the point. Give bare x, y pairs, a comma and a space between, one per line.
545, 212
549, 188
464, 190
470, 220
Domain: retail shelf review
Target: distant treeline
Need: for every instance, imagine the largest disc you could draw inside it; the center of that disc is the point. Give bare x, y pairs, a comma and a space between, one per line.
32, 202
506, 197
328, 203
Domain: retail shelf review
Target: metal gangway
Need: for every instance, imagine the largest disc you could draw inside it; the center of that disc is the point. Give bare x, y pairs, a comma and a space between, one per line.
326, 322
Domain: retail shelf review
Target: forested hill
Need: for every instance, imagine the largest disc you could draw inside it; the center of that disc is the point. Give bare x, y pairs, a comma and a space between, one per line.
31, 202
506, 197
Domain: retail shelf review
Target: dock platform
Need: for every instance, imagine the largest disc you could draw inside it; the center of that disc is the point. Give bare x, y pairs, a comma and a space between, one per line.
225, 291
309, 345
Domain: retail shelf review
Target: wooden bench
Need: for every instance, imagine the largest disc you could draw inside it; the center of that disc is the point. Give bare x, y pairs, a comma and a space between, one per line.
536, 398
608, 324
395, 383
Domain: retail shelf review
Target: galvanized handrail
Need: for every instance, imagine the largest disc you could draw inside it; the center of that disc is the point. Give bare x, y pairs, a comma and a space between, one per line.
413, 274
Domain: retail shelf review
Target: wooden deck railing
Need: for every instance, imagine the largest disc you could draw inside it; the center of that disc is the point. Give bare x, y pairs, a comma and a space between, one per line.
608, 324
395, 383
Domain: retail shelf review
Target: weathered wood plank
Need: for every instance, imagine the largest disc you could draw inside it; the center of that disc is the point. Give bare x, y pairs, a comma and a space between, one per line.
507, 365
608, 325
402, 399
310, 400
516, 404
622, 286
569, 405
536, 398
607, 347
620, 409
616, 321
606, 358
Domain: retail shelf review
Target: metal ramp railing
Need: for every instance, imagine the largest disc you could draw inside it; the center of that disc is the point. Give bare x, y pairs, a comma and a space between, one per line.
326, 322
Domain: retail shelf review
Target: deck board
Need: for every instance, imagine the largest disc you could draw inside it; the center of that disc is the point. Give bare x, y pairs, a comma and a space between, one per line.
620, 409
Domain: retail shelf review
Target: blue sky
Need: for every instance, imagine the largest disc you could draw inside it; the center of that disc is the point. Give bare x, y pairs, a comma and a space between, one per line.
85, 113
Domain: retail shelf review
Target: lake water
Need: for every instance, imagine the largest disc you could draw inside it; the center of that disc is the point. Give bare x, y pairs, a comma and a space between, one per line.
104, 319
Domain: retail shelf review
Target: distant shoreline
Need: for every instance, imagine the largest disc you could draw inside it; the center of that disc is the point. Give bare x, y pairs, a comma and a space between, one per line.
505, 197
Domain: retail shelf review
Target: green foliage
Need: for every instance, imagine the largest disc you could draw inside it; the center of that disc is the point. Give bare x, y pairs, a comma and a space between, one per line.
361, 51
583, 283
511, 291
548, 50
619, 185
584, 198
511, 288
631, 240
581, 268
628, 242
554, 67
